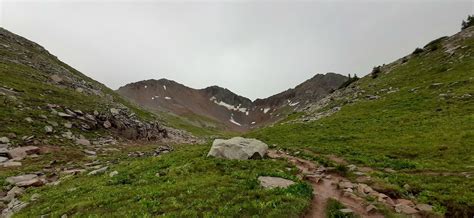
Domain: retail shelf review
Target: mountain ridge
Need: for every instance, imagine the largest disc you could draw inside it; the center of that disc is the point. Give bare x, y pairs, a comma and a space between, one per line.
241, 113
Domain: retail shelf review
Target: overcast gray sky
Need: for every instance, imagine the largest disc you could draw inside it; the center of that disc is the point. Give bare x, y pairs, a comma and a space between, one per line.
254, 48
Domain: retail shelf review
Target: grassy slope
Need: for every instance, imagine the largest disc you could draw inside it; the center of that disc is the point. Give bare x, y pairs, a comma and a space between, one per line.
415, 133
190, 184
35, 91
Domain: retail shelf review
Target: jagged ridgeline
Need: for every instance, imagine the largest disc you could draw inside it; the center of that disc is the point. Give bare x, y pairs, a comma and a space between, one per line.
43, 100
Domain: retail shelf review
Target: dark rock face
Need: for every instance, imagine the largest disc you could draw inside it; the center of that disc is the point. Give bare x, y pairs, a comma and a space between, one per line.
223, 106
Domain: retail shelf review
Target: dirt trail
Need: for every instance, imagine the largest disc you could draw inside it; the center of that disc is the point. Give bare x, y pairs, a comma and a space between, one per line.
325, 187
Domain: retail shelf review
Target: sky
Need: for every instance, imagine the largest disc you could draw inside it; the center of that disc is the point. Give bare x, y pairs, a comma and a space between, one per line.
254, 48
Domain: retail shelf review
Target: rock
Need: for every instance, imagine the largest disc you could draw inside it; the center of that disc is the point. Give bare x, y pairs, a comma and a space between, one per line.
113, 173
436, 85
98, 171
270, 182
21, 152
114, 111
96, 113
90, 117
107, 124
64, 115
424, 207
352, 167
89, 152
36, 182
48, 129
346, 210
4, 140
238, 148
35, 197
345, 185
73, 171
56, 78
371, 209
68, 125
3, 159
83, 141
13, 207
29, 120
12, 164
400, 208
80, 90
16, 179
406, 202
389, 170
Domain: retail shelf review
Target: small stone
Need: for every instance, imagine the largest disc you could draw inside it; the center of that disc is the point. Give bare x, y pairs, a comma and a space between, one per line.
351, 167
64, 115
68, 125
56, 78
424, 207
370, 209
346, 210
4, 140
113, 173
345, 185
83, 141
98, 171
400, 208
3, 159
89, 152
48, 129
96, 113
270, 182
389, 170
35, 197
114, 111
80, 90
107, 124
29, 120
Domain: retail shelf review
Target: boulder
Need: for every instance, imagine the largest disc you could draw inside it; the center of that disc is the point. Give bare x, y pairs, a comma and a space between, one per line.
270, 182
48, 129
238, 148
107, 124
21, 152
424, 207
17, 179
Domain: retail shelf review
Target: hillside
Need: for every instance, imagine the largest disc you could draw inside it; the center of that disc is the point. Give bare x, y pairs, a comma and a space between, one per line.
408, 126
220, 108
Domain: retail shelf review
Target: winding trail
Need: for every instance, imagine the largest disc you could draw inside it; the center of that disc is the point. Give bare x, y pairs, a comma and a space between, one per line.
325, 187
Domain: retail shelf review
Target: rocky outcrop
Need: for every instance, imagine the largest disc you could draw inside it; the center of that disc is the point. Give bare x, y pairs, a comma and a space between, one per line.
238, 148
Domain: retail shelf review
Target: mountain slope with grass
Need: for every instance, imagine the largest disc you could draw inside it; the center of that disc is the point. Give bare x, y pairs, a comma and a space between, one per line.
411, 122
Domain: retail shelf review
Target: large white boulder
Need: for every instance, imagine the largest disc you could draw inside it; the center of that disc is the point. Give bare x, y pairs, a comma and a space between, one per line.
238, 148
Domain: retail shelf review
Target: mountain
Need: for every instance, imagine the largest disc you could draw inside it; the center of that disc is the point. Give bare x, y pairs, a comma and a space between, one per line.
407, 127
45, 101
224, 107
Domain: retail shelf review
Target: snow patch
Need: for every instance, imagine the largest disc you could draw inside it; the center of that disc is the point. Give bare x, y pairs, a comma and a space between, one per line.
253, 123
233, 121
167, 98
146, 87
164, 87
294, 104
228, 106
246, 113
266, 110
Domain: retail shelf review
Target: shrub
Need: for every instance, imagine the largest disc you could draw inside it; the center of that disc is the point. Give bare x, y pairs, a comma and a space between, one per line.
468, 22
375, 72
418, 51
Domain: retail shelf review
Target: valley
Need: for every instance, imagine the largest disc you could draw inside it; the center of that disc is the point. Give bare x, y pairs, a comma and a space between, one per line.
397, 142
